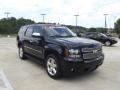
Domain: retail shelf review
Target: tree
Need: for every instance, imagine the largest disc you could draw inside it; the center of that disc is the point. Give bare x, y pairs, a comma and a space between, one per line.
117, 26
80, 29
92, 30
12, 25
100, 30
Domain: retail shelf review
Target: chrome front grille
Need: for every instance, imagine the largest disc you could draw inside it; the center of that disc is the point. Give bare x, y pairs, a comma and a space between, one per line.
90, 49
92, 55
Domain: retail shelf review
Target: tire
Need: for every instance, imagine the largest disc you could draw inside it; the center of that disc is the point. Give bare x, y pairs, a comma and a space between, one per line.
107, 43
22, 53
53, 66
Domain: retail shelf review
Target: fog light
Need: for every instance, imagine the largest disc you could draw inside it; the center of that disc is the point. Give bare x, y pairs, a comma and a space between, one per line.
72, 69
74, 56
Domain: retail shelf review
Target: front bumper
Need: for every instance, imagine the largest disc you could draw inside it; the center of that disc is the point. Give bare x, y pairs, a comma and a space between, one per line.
114, 42
78, 66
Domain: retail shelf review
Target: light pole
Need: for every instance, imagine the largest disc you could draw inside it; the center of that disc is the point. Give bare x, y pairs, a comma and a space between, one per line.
106, 22
7, 14
76, 21
43, 15
114, 20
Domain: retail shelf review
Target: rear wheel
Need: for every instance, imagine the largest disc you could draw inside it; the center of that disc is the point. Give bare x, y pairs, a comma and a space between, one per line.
21, 52
53, 66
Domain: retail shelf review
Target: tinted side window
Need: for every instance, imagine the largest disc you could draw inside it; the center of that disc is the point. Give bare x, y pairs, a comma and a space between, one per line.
90, 35
37, 29
29, 32
22, 30
93, 35
96, 35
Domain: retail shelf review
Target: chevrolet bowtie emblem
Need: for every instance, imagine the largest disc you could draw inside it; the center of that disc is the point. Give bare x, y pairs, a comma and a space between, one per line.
94, 51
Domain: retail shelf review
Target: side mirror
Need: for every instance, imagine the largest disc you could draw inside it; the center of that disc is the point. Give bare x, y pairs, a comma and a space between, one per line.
36, 34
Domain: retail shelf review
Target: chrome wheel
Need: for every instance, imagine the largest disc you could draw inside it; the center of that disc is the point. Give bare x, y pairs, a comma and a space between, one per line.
21, 52
51, 66
107, 43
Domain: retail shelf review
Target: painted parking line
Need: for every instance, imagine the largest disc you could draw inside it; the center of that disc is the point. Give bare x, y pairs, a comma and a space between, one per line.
4, 79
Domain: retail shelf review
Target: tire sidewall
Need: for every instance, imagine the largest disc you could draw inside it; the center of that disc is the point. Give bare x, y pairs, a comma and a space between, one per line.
58, 73
23, 56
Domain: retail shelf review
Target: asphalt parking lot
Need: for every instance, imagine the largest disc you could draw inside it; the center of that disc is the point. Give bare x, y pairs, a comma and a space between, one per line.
28, 75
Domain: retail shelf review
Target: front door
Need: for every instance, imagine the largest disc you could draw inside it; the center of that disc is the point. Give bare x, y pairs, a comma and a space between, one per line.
37, 43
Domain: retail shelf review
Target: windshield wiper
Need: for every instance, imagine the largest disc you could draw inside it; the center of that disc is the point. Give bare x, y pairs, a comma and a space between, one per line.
68, 36
56, 36
62, 36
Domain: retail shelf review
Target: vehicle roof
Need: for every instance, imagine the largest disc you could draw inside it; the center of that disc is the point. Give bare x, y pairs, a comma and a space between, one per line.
91, 32
46, 25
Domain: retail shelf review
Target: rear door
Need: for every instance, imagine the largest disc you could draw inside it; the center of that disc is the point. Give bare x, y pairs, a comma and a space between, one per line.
27, 40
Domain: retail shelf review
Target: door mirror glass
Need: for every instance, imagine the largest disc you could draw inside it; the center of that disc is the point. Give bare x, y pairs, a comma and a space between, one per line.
36, 34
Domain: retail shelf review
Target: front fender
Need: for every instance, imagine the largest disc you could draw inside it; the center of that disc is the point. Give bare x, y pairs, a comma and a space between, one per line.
53, 47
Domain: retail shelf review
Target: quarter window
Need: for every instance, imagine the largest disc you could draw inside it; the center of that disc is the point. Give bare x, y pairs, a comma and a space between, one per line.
29, 32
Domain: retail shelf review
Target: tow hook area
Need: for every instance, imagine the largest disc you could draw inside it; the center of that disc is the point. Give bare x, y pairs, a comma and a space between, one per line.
87, 69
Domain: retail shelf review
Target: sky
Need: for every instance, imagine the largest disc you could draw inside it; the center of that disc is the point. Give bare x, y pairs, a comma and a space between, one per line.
91, 12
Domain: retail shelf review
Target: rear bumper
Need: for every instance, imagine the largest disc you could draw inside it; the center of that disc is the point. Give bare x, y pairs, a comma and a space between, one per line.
70, 66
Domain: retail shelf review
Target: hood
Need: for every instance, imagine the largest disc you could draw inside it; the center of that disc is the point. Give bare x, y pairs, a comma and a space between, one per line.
77, 41
112, 38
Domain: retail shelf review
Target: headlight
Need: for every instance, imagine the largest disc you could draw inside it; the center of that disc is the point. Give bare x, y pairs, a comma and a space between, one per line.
74, 53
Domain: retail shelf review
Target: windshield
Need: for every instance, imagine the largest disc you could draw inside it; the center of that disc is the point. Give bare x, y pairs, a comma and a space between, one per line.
59, 32
101, 34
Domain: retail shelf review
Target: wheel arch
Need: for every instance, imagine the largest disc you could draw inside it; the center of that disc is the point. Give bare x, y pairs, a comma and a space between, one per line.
19, 44
51, 51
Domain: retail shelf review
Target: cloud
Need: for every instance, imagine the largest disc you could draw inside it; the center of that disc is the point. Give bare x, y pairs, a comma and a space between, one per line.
63, 11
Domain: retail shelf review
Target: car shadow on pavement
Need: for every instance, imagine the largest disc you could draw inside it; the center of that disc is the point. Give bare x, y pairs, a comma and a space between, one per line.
38, 62
80, 76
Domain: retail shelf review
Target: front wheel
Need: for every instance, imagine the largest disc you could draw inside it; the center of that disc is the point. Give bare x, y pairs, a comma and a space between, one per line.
107, 43
53, 66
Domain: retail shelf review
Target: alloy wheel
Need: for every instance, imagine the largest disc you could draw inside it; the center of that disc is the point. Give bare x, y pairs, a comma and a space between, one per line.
51, 66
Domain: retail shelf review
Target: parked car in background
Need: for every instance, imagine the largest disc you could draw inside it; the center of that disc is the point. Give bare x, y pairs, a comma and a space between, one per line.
109, 35
104, 39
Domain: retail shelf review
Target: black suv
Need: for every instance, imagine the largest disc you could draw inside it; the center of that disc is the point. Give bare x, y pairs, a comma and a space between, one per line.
104, 39
60, 48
